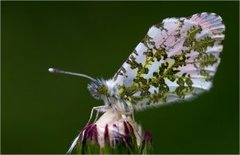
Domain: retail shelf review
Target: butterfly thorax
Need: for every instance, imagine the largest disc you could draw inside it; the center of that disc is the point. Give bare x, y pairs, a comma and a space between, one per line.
107, 91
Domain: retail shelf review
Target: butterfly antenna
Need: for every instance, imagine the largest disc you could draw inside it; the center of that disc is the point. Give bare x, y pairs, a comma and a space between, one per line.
54, 70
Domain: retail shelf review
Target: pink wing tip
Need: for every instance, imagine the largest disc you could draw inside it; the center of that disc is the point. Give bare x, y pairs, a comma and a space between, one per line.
210, 21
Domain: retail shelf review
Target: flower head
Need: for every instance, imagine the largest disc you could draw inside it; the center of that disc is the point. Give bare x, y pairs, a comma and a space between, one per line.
113, 133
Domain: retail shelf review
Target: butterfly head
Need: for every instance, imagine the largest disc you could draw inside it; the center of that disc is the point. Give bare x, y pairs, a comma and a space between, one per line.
98, 89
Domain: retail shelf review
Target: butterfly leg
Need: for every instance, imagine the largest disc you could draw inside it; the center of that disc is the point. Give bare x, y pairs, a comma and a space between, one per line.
133, 115
74, 143
96, 117
129, 111
98, 109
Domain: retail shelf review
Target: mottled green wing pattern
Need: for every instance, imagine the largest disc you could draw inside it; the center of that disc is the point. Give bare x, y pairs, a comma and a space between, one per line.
175, 61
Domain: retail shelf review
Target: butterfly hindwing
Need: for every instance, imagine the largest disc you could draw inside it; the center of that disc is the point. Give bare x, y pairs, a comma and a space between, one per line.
176, 60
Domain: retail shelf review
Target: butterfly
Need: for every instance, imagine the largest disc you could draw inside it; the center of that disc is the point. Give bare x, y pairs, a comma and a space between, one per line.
176, 61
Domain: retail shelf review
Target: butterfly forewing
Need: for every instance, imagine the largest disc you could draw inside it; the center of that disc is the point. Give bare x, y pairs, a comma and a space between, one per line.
176, 60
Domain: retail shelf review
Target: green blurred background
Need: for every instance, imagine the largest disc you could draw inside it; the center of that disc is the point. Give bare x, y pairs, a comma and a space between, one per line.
42, 112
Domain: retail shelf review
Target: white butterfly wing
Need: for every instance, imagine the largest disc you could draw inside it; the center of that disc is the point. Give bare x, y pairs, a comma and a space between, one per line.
176, 60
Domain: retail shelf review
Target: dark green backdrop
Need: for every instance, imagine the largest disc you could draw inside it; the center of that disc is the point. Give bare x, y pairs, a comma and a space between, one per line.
42, 112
